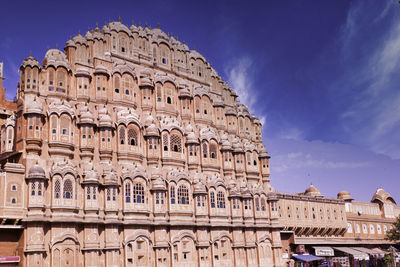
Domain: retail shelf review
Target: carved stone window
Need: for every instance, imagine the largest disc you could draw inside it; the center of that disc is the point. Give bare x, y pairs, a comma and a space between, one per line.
212, 199
138, 193
176, 144
183, 195
221, 200
67, 189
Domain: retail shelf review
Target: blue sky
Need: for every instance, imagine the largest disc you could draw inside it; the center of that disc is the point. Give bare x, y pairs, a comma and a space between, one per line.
322, 75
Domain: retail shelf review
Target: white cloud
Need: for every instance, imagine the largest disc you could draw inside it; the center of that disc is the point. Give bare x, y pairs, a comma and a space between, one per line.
240, 77
373, 117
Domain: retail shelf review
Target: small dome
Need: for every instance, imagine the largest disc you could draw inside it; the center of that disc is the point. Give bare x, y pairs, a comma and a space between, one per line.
86, 116
152, 130
33, 107
312, 191
344, 195
237, 146
192, 138
89, 36
100, 69
91, 176
199, 188
70, 43
97, 34
36, 172
56, 58
82, 72
119, 27
158, 184
104, 118
79, 39
263, 153
31, 62
185, 93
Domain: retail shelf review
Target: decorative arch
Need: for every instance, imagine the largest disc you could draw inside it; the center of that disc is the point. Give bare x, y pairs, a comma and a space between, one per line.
136, 235
62, 238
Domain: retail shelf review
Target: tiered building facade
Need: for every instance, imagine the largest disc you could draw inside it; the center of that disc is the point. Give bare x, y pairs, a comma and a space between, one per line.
128, 149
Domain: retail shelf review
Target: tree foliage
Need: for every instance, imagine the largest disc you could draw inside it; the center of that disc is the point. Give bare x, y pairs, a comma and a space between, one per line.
394, 234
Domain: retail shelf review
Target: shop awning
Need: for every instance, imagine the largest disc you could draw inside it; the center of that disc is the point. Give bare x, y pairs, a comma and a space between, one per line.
370, 252
306, 257
358, 255
324, 251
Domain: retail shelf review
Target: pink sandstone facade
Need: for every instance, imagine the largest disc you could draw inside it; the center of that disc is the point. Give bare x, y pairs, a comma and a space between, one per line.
128, 149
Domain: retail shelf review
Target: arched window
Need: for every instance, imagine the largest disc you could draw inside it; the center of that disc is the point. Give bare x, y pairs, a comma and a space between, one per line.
116, 84
128, 192
213, 151
169, 100
159, 93
205, 150
257, 201
64, 126
53, 124
172, 194
122, 135
138, 193
176, 145
221, 200
61, 80
108, 194
165, 142
33, 188
67, 189
51, 77
57, 189
183, 195
132, 137
263, 204
39, 192
212, 199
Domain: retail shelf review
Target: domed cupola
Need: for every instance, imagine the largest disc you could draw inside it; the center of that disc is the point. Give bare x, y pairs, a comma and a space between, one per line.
31, 62
79, 39
89, 36
55, 58
82, 72
70, 43
344, 195
119, 27
158, 185
226, 145
191, 137
36, 172
33, 107
312, 191
199, 188
100, 69
237, 146
104, 118
152, 130
145, 79
86, 117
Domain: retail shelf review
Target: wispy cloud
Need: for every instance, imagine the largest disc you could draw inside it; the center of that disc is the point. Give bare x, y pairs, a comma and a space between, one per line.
239, 73
300, 160
373, 115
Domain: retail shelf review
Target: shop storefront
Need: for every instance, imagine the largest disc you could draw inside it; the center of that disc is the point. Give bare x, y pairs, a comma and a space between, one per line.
306, 260
351, 257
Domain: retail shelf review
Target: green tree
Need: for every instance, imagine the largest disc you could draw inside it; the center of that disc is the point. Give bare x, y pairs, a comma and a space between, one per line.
394, 234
